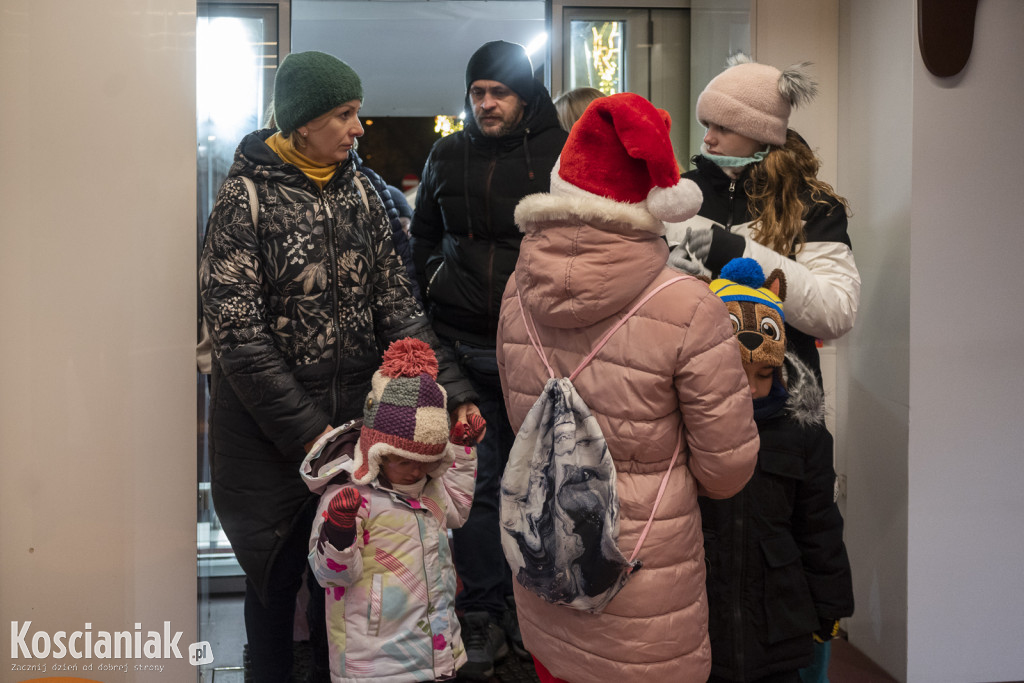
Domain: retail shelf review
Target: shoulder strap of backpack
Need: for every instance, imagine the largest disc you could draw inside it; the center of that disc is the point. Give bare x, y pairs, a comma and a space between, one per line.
254, 200
535, 339
657, 499
362, 191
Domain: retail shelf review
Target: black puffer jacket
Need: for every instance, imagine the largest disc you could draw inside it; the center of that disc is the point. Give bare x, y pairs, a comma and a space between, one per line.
776, 562
300, 308
465, 242
398, 236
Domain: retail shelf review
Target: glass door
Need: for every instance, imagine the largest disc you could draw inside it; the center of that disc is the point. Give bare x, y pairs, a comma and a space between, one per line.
643, 51
238, 47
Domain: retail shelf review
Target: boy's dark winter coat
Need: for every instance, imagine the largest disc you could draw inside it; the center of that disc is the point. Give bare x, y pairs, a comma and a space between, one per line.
776, 562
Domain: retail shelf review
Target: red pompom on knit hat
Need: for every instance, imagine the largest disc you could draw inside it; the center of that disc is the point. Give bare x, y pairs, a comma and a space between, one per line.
620, 150
405, 412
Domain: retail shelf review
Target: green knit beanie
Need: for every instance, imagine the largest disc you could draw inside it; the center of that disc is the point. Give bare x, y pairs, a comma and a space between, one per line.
309, 84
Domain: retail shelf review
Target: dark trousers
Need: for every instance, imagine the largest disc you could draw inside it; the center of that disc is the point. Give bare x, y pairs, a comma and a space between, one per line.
270, 626
479, 560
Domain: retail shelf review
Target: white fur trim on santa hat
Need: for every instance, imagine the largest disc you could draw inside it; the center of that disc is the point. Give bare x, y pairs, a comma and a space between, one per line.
680, 202
569, 202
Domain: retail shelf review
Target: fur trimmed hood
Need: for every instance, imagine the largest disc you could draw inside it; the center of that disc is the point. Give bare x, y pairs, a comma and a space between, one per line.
806, 402
581, 262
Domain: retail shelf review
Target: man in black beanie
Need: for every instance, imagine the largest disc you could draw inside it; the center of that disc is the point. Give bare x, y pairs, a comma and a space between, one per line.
465, 244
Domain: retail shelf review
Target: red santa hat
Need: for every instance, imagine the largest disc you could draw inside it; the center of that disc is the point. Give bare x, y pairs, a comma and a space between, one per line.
620, 150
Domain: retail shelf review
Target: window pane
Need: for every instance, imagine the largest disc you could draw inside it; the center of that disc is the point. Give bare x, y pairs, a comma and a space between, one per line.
596, 57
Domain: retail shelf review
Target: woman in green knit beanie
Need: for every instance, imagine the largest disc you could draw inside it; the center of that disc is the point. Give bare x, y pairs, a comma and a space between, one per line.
301, 292
316, 106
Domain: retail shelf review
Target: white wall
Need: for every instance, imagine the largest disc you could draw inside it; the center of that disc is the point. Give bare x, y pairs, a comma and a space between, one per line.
875, 163
787, 32
934, 429
966, 455
718, 29
97, 263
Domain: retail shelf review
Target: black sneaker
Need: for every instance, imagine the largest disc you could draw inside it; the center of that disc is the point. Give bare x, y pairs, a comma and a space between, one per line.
510, 624
485, 644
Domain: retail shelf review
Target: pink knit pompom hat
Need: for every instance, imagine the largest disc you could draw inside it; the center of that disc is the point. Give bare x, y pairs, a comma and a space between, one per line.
619, 149
755, 100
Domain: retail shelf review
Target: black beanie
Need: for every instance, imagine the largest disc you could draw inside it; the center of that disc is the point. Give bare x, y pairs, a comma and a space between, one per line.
506, 63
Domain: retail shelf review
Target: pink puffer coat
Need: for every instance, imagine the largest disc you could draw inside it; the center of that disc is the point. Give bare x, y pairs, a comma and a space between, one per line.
582, 265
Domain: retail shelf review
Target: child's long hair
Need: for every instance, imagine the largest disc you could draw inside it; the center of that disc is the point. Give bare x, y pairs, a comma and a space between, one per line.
777, 190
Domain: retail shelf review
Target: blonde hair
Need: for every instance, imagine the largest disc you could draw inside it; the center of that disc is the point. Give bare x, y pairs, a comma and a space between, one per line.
571, 105
780, 192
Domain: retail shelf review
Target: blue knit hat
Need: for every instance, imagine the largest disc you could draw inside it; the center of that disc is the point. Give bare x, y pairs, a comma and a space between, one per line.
742, 279
755, 308
309, 84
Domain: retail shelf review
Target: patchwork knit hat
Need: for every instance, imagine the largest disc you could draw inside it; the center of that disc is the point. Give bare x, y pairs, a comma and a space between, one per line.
619, 150
405, 412
309, 84
755, 308
755, 100
506, 63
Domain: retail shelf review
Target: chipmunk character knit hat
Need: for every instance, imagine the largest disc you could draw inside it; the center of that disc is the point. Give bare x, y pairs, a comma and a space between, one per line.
309, 84
405, 412
755, 100
755, 308
506, 63
619, 149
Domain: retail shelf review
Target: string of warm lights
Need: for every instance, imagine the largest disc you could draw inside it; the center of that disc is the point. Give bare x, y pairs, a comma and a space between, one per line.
606, 56
446, 125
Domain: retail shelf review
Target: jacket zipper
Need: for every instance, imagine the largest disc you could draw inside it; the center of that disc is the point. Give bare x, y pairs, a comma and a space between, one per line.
732, 197
526, 153
430, 284
490, 250
332, 250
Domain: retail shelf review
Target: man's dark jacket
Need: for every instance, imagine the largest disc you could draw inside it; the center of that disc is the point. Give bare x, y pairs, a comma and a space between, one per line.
465, 242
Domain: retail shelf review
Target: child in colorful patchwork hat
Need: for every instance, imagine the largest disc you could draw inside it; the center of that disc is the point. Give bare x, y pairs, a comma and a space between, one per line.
778, 576
390, 487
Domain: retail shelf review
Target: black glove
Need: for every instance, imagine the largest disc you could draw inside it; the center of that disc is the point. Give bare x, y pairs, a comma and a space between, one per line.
827, 630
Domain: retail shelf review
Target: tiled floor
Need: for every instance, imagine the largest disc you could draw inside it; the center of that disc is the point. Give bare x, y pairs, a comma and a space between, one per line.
221, 624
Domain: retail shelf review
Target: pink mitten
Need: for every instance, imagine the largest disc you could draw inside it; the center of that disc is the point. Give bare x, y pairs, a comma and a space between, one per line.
340, 517
466, 434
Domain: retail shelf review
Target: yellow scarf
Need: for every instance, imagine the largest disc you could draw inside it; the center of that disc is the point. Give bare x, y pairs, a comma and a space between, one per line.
284, 148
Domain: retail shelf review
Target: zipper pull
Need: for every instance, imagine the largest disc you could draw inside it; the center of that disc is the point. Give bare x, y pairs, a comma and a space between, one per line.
732, 197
